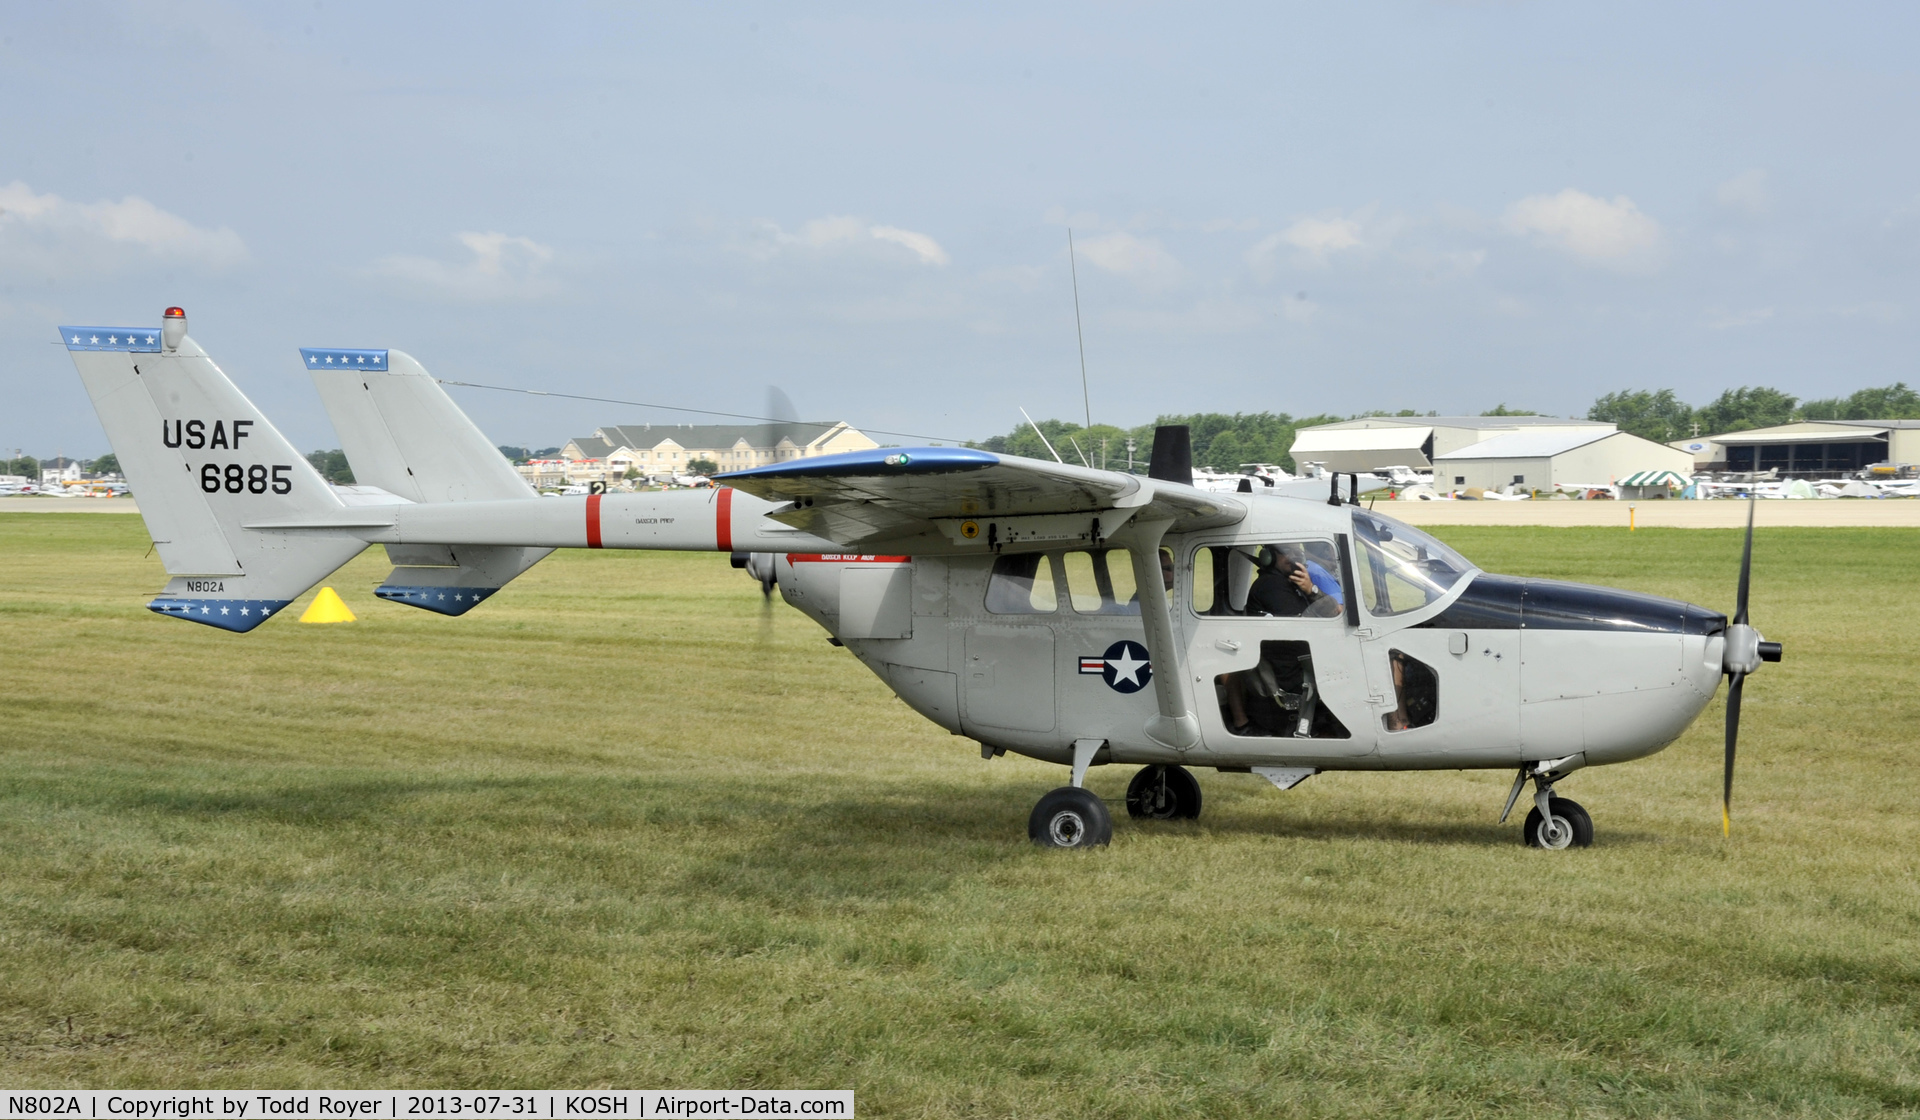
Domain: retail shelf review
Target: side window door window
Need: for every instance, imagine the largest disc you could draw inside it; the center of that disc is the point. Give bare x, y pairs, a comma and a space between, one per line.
1023, 583
1101, 582
1286, 579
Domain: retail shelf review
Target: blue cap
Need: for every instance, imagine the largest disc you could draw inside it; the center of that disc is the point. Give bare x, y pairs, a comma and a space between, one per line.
331, 358
134, 340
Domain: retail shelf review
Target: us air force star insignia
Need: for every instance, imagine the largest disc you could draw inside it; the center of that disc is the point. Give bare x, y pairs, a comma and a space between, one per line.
1125, 666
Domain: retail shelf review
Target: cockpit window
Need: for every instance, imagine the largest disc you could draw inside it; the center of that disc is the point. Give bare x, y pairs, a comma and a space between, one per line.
1401, 568
1022, 583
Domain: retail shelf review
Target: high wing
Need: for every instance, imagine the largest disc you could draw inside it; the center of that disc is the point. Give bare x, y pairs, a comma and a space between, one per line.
960, 499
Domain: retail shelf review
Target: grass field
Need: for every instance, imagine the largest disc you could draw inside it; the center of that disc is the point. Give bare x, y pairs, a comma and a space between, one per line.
615, 828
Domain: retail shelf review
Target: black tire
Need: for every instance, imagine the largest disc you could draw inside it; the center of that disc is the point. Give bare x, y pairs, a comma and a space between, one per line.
1163, 793
1578, 825
1070, 817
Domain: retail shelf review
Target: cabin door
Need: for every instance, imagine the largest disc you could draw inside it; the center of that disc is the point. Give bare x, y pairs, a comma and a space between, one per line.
1272, 659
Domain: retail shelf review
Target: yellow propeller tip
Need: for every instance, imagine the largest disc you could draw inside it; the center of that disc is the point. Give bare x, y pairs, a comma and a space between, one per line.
1726, 824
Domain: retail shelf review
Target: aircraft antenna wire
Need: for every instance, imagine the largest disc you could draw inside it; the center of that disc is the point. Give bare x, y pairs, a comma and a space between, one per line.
1043, 438
677, 408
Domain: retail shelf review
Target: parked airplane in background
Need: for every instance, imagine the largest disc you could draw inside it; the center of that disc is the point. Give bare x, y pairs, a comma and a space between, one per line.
1080, 616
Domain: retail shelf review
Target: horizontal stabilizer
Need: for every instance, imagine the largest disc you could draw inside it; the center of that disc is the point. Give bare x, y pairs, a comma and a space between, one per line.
476, 572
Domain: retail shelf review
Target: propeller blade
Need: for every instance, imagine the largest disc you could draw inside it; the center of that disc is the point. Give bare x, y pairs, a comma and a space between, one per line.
1746, 569
784, 417
1733, 739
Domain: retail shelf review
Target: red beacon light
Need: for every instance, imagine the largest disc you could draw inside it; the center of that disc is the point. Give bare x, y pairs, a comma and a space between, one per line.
173, 329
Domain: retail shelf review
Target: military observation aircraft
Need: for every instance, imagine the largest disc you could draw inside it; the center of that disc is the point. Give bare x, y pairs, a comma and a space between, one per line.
1073, 615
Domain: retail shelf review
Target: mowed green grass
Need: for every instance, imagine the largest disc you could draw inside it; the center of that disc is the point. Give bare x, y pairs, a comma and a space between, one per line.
618, 828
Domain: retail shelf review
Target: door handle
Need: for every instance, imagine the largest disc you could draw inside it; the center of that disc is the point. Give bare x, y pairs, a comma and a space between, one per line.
1227, 644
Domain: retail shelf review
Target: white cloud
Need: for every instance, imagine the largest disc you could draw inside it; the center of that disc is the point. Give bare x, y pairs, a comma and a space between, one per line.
1318, 237
1746, 192
827, 231
1138, 258
499, 266
1613, 233
1315, 241
925, 247
820, 233
47, 233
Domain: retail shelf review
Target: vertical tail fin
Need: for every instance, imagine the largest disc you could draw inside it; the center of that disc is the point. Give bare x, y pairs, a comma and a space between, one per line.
401, 432
203, 463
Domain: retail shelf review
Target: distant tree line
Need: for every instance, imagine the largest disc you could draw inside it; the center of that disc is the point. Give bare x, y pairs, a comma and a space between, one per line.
332, 466
1221, 440
1662, 416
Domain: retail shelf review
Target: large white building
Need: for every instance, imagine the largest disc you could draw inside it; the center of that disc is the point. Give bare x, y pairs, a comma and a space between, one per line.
1541, 460
1807, 448
1373, 442
658, 450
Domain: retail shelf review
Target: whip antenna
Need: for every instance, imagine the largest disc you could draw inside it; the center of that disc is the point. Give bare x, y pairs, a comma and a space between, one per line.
1085, 400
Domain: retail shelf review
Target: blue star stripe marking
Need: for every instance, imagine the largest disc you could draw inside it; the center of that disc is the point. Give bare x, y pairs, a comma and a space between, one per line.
131, 340
237, 615
440, 600
318, 357
1124, 666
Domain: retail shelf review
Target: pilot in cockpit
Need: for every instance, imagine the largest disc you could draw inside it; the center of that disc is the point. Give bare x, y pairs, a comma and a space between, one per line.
1291, 584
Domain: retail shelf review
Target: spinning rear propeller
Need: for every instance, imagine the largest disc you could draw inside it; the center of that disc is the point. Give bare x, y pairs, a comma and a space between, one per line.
1744, 652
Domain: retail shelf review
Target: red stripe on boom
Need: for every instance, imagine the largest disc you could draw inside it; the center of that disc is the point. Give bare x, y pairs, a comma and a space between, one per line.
593, 520
723, 518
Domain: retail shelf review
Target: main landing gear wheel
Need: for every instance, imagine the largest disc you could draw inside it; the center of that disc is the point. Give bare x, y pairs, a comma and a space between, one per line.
1569, 826
1163, 793
1070, 817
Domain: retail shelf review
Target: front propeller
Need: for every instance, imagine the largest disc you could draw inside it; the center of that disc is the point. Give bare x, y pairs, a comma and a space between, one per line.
1745, 650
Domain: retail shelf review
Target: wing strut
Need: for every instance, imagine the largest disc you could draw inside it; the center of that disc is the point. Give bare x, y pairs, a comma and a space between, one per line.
1175, 726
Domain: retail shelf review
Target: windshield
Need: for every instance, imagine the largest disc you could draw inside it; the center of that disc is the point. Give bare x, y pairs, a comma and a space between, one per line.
1401, 568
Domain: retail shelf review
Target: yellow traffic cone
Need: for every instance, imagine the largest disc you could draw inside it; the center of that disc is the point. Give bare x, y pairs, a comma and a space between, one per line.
327, 607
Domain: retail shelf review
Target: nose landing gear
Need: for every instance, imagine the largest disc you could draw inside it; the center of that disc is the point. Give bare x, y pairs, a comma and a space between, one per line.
1564, 825
1555, 823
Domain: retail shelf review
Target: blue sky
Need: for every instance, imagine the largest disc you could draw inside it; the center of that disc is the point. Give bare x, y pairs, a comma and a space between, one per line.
1292, 208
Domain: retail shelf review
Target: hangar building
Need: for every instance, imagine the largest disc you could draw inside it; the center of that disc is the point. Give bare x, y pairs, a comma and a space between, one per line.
1373, 442
1537, 460
1808, 448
